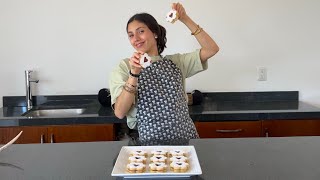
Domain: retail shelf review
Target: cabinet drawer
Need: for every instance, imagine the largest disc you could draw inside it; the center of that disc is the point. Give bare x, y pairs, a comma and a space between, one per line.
280, 128
58, 134
229, 129
31, 134
81, 133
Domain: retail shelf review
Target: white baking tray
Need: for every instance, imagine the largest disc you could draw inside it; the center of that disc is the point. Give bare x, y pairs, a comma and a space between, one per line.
120, 169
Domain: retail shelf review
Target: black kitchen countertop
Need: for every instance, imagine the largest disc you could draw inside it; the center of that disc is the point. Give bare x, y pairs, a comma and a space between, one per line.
239, 106
293, 158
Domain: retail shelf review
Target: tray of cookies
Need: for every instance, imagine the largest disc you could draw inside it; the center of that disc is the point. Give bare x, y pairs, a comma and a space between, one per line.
157, 161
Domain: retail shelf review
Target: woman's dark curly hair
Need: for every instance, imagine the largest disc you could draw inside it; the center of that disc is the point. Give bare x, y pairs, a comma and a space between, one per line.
153, 25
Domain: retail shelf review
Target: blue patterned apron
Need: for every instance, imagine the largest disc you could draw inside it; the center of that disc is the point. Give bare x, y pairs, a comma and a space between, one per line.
162, 110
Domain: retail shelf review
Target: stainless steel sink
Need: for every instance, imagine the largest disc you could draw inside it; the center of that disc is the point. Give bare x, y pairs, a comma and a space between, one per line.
54, 112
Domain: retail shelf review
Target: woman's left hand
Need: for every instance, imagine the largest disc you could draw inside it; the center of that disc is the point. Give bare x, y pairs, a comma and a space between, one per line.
180, 10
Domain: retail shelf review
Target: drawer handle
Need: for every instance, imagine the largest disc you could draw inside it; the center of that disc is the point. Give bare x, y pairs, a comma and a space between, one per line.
52, 139
228, 131
42, 138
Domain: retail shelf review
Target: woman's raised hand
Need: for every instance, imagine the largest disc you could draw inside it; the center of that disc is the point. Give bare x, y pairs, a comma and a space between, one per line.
180, 10
135, 62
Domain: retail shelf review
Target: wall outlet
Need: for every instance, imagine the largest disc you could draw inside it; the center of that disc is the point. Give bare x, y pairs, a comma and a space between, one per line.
262, 73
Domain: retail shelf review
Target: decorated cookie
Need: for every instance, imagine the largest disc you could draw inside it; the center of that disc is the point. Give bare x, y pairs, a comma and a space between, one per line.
159, 152
136, 167
179, 166
158, 158
172, 16
178, 152
140, 159
157, 167
145, 60
138, 153
178, 159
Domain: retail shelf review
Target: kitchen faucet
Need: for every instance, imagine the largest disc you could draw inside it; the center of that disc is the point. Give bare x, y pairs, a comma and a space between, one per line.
28, 88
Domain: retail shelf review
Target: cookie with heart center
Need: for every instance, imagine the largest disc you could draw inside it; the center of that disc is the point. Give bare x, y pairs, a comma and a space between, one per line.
157, 167
145, 60
179, 166
158, 158
136, 167
140, 159
172, 16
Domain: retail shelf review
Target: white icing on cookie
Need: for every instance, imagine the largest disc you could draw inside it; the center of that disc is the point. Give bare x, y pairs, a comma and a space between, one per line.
158, 158
136, 166
172, 16
178, 159
179, 166
145, 60
177, 152
138, 153
135, 158
159, 152
159, 166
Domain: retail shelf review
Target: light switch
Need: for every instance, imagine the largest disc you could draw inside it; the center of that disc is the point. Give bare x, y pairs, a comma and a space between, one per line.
262, 73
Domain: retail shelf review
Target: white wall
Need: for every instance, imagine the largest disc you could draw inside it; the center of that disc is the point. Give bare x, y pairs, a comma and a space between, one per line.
73, 44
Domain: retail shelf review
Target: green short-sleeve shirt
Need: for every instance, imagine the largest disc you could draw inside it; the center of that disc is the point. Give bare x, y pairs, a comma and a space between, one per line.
189, 64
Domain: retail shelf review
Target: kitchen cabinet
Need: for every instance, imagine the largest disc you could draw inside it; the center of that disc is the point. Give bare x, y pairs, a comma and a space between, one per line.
58, 134
81, 133
229, 129
281, 128
31, 134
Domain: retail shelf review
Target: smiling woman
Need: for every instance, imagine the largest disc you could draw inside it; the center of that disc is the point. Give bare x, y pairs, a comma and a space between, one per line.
154, 98
146, 35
